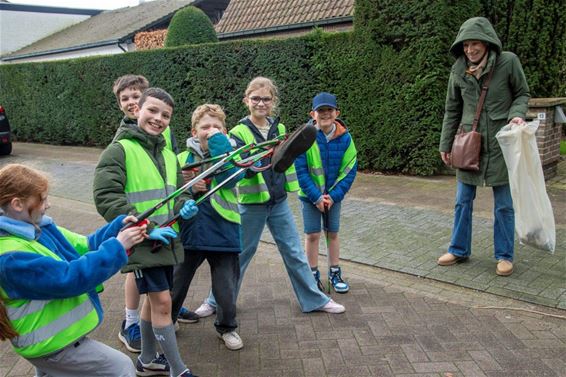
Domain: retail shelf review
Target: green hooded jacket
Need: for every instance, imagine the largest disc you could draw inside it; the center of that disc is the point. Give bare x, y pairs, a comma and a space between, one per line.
110, 198
507, 98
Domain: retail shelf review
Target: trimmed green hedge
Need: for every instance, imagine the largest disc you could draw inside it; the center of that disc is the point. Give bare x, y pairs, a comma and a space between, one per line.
389, 75
71, 102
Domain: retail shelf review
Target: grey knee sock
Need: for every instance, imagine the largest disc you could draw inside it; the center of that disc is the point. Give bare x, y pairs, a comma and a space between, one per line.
148, 342
168, 341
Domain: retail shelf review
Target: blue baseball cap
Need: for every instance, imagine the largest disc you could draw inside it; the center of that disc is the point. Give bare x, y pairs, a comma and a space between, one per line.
324, 99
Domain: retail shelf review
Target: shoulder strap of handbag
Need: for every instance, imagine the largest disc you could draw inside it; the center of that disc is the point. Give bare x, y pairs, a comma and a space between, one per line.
482, 97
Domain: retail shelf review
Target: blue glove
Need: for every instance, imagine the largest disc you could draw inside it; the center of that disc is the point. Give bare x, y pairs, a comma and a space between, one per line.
162, 234
189, 209
218, 144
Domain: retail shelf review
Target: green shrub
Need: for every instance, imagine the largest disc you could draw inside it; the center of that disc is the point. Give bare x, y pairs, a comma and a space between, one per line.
190, 25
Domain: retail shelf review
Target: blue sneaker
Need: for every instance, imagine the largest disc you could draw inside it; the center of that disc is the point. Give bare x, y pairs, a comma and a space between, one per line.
131, 337
156, 367
186, 316
316, 275
335, 280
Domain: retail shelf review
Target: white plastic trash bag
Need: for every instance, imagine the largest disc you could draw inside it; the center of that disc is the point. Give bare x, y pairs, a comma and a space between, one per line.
534, 220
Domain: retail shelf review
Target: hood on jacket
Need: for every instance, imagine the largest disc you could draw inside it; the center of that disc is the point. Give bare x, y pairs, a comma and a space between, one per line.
341, 128
126, 123
146, 140
193, 145
10, 226
478, 29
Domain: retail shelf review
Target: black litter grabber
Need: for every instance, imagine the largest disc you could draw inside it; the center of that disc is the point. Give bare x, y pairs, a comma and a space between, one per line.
247, 163
226, 158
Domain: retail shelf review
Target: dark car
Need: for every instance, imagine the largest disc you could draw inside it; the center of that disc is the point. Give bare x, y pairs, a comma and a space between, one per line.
5, 133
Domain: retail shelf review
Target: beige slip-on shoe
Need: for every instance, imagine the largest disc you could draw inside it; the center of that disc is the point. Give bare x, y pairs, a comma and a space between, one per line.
504, 268
449, 259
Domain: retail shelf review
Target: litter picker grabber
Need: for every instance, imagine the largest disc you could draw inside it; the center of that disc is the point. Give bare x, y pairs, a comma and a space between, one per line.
251, 148
224, 159
326, 240
243, 165
290, 146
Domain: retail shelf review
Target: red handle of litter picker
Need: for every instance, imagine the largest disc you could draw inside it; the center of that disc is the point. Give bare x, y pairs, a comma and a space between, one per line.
141, 223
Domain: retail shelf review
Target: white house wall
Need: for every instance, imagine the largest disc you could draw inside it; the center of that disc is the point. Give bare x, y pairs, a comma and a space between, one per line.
104, 50
19, 29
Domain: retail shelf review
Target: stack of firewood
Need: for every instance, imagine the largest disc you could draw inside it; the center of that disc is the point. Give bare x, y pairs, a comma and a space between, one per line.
148, 40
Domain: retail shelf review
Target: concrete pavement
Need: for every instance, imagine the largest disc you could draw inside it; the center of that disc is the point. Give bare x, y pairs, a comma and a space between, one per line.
396, 324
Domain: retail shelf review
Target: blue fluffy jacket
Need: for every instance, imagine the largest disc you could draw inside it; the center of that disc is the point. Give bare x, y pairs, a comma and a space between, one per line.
26, 275
331, 154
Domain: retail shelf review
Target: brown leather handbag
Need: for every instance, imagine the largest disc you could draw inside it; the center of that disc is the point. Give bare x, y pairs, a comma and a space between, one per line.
465, 154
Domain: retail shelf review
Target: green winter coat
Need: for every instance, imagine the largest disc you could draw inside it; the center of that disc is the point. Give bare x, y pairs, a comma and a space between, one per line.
507, 98
110, 198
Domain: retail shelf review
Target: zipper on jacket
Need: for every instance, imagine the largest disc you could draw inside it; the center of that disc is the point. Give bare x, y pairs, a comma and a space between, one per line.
484, 112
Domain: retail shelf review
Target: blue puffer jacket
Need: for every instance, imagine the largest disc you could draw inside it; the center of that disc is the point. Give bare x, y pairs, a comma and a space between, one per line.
331, 154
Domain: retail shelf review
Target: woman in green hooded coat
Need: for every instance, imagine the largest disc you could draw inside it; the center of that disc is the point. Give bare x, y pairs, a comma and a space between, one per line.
478, 51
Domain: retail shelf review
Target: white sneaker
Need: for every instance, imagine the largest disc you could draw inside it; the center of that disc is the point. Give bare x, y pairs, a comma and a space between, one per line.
232, 340
205, 310
333, 307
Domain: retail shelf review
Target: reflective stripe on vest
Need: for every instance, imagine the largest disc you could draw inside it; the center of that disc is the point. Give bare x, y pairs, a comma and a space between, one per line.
254, 190
144, 184
316, 170
224, 201
45, 326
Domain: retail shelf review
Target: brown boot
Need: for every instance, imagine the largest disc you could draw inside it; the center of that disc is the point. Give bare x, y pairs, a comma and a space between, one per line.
504, 268
450, 259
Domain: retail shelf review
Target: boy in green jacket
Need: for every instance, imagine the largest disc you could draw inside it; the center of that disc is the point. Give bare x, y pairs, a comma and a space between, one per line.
134, 174
128, 90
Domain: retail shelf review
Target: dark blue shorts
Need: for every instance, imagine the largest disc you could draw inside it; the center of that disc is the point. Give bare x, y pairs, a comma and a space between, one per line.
154, 279
312, 218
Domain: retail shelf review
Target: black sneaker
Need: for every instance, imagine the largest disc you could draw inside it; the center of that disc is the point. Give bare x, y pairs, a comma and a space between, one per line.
316, 275
156, 367
131, 337
186, 316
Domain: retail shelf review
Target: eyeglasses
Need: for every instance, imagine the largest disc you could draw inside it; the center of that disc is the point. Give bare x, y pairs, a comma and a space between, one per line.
257, 99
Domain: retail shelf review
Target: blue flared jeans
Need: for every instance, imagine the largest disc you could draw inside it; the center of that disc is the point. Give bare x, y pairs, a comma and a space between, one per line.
503, 224
279, 220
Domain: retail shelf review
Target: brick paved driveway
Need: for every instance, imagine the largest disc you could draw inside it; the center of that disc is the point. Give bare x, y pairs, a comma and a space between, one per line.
395, 325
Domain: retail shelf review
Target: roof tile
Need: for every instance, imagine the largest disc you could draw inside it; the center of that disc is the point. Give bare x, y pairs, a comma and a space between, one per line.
257, 14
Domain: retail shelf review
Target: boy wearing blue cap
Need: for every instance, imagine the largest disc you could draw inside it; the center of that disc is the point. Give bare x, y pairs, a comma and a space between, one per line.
325, 173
